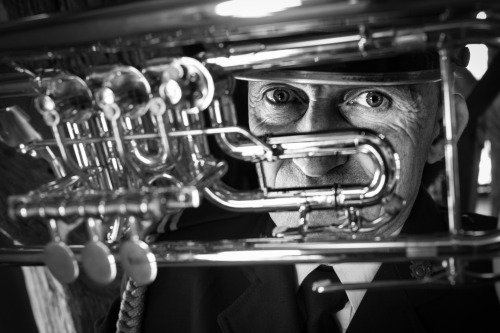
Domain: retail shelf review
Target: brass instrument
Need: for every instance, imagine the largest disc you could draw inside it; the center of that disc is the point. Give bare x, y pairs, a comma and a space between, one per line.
127, 106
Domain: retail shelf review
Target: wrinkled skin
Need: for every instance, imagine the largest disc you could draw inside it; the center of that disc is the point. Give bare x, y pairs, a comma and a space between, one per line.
409, 116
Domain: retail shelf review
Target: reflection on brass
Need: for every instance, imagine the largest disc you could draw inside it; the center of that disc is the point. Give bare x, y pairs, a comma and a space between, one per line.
131, 107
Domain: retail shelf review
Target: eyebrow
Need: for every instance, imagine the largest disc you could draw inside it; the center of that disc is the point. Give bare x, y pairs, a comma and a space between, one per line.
406, 92
409, 95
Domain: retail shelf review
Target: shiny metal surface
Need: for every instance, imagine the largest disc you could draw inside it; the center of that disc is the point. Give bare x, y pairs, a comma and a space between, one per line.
309, 250
450, 149
125, 98
61, 261
201, 21
149, 204
344, 79
98, 262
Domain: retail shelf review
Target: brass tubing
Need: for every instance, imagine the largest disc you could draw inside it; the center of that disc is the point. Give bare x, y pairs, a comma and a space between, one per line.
450, 148
297, 250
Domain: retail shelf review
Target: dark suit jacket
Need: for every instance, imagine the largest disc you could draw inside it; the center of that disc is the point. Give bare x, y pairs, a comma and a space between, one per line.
262, 298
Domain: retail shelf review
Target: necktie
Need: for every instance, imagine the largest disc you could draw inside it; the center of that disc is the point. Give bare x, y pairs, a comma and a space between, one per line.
318, 310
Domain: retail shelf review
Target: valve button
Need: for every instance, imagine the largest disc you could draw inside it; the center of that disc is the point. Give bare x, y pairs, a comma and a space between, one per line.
61, 262
98, 262
138, 261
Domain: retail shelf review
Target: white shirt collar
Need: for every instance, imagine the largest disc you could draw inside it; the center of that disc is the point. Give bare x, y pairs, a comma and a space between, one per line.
356, 273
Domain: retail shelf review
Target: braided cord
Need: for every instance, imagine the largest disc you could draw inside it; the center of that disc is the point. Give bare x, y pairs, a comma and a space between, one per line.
131, 309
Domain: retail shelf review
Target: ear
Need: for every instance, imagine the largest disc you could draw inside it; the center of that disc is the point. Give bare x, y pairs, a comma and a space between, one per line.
436, 151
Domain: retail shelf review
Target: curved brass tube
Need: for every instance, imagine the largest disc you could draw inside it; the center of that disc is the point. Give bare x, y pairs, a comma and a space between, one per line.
222, 44
345, 142
300, 250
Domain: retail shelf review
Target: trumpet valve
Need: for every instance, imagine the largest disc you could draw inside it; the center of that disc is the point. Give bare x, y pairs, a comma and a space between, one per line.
97, 260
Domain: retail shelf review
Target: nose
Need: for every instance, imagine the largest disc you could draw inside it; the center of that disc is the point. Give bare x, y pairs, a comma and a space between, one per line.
322, 115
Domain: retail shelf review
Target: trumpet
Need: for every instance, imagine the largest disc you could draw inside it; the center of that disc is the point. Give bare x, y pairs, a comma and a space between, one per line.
131, 109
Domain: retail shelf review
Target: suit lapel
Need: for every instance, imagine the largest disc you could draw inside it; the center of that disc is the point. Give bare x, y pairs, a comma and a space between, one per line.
385, 310
396, 310
268, 305
425, 220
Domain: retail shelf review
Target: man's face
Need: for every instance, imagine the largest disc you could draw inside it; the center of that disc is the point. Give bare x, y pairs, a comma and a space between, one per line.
406, 115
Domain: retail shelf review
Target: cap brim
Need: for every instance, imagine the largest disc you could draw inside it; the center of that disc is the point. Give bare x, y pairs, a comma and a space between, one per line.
337, 78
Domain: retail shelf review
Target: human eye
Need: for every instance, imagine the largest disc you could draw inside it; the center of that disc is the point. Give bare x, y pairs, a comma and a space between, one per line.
273, 105
281, 104
283, 97
371, 99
